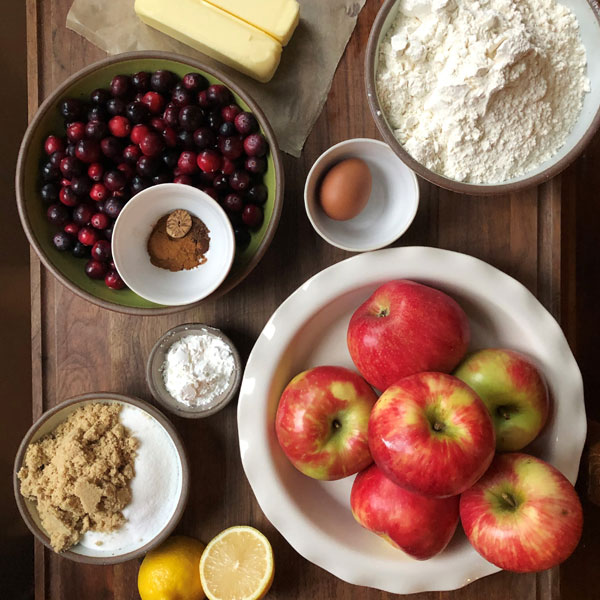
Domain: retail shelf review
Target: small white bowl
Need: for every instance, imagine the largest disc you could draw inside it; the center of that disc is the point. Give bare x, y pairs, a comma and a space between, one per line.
392, 205
130, 237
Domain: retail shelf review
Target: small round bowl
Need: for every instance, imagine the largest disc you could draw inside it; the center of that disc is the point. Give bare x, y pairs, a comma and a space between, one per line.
588, 15
69, 270
390, 210
156, 382
175, 478
130, 238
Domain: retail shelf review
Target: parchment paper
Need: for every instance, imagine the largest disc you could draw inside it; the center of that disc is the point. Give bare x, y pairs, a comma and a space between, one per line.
292, 100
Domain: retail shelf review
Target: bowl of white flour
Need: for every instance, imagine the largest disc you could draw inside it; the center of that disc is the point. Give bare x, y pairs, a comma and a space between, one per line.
485, 96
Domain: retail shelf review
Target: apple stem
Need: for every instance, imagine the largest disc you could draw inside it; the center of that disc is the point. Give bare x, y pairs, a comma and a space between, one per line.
509, 500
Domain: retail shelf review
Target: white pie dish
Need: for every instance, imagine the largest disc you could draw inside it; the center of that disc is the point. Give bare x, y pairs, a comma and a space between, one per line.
314, 516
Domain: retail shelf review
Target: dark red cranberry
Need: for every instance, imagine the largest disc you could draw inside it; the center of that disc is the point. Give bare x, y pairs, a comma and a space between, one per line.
233, 203
139, 97
80, 250
100, 96
147, 166
228, 166
71, 109
71, 229
154, 101
181, 97
71, 167
258, 194
57, 214
108, 235
62, 241
131, 154
152, 144
49, 193
99, 221
97, 113
88, 151
162, 177
170, 159
138, 133
221, 183
185, 139
239, 181
141, 81
96, 130
211, 192
231, 147
114, 281
95, 269
116, 107
82, 214
170, 137
68, 197
138, 184
119, 126
255, 164
171, 115
229, 113
214, 120
54, 144
210, 161
227, 129
81, 185
255, 145
50, 173
246, 123
98, 193
56, 157
157, 124
137, 112
76, 131
203, 101
70, 151
204, 138
187, 162
183, 179
219, 95
120, 86
242, 238
163, 81
87, 236
111, 148
194, 82
126, 169
252, 216
191, 117
115, 180
64, 182
113, 206
101, 249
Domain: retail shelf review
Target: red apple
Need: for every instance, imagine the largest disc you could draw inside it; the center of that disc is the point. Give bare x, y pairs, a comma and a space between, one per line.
420, 526
406, 328
515, 392
523, 515
431, 434
322, 422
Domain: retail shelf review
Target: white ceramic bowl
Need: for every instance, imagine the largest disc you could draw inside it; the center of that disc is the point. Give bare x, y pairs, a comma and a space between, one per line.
309, 329
130, 237
392, 205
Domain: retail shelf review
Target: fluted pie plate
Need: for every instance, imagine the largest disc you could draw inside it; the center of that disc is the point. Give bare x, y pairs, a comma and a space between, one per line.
309, 329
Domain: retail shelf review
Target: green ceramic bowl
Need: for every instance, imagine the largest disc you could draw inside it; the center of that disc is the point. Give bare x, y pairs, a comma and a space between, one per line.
70, 270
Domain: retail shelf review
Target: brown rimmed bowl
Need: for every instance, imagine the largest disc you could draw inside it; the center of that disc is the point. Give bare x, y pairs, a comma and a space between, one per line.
69, 270
588, 15
49, 421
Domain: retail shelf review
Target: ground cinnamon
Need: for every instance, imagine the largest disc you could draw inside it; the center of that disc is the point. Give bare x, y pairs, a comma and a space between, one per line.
182, 253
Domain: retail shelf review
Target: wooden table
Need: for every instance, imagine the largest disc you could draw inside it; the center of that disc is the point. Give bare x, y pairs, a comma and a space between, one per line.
78, 347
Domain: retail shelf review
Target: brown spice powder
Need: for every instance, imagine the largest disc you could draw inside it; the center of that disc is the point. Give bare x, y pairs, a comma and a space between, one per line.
182, 253
79, 474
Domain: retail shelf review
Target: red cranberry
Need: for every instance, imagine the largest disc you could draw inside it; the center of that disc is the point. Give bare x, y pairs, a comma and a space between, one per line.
98, 193
100, 221
87, 236
120, 86
96, 130
187, 163
64, 182
239, 181
246, 123
82, 214
203, 101
111, 148
255, 145
62, 241
54, 144
131, 154
194, 82
228, 166
68, 197
204, 138
119, 126
154, 101
257, 194
181, 97
157, 124
57, 214
138, 133
184, 179
126, 169
218, 95
152, 144
76, 131
114, 281
101, 249
115, 180
162, 81
209, 161
96, 171
71, 229
229, 113
252, 216
171, 115
255, 164
170, 137
95, 269
231, 147
87, 151
233, 203
141, 81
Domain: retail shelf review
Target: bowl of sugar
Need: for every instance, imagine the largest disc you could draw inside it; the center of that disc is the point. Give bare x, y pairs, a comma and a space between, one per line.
101, 478
510, 110
194, 370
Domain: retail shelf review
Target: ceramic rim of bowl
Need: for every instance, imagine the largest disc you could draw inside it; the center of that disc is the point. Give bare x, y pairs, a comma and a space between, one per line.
50, 104
164, 533
440, 180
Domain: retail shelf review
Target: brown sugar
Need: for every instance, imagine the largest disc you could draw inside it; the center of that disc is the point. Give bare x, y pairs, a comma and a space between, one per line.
79, 474
178, 253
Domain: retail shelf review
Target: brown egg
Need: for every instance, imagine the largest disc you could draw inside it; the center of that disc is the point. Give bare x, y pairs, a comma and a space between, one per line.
346, 189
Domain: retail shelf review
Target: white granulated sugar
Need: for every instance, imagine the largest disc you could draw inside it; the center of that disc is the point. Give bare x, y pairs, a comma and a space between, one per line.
482, 90
198, 369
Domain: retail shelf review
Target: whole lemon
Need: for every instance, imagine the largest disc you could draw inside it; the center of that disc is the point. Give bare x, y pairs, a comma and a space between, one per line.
170, 572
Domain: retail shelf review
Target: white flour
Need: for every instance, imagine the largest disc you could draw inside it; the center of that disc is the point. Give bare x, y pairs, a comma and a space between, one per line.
482, 90
198, 369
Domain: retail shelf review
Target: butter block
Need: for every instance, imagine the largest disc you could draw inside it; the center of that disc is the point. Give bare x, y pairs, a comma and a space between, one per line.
278, 18
216, 33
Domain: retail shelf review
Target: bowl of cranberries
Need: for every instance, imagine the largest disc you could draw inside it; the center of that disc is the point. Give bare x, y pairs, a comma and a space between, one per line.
125, 124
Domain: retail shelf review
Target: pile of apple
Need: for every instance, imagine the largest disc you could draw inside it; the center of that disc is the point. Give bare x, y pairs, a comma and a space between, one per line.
434, 447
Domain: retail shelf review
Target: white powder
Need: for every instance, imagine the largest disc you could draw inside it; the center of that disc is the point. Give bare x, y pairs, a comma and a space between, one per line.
198, 369
482, 90
155, 489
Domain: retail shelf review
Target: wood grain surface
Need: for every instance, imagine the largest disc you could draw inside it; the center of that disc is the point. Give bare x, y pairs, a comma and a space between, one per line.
79, 348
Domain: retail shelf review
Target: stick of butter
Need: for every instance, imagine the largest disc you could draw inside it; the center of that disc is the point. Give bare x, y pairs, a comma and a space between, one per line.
278, 18
214, 32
